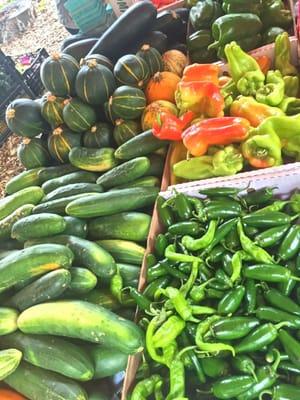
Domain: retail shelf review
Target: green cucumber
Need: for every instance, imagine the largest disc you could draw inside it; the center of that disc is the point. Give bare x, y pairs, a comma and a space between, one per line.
127, 226
108, 362
99, 160
8, 320
75, 227
9, 362
72, 189
124, 251
5, 253
130, 273
145, 181
36, 226
10, 244
140, 145
102, 297
96, 395
82, 281
31, 262
58, 206
55, 172
30, 195
125, 173
53, 354
74, 177
48, 287
157, 164
112, 202
37, 383
82, 320
7, 223
23, 180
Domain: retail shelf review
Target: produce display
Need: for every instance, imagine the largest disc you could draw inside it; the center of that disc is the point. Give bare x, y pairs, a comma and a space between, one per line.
220, 309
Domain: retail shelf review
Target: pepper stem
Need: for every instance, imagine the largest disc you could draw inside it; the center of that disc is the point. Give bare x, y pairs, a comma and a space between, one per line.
281, 325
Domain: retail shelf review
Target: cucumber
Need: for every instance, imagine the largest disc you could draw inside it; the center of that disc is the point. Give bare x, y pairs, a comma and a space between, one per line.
95, 324
82, 281
112, 202
140, 145
8, 320
31, 262
35, 226
5, 253
75, 227
124, 251
96, 395
55, 172
23, 180
145, 181
87, 254
74, 177
53, 354
58, 206
108, 362
37, 384
10, 244
72, 189
125, 173
9, 362
30, 195
48, 287
127, 226
130, 273
7, 223
102, 297
99, 160
157, 164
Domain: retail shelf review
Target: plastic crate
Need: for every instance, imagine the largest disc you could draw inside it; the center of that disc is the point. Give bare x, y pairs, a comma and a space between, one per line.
32, 74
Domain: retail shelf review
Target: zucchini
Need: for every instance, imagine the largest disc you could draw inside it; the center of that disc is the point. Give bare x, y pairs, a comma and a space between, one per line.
30, 195
140, 145
127, 226
53, 354
102, 297
124, 251
96, 324
108, 362
35, 226
36, 383
74, 177
58, 206
75, 227
8, 320
112, 202
125, 173
48, 287
72, 189
99, 160
31, 262
145, 181
55, 172
82, 281
7, 223
80, 48
9, 362
23, 180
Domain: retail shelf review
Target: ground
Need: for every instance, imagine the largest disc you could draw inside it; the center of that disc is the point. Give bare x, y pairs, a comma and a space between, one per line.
46, 32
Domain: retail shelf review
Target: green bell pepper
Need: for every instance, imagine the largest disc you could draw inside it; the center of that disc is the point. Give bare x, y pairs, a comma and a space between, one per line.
270, 35
204, 13
290, 105
273, 92
291, 85
240, 6
274, 14
283, 57
197, 44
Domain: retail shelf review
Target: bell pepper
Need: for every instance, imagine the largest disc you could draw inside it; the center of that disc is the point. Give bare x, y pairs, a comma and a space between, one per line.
270, 35
170, 127
264, 63
246, 44
254, 112
204, 13
290, 105
200, 97
215, 131
283, 56
201, 73
244, 70
262, 151
227, 161
291, 85
240, 6
229, 92
274, 14
197, 44
273, 92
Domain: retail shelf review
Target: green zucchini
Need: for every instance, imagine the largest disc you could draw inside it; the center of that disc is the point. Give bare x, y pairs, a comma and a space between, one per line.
124, 251
7, 223
53, 354
48, 287
102, 297
96, 324
8, 320
30, 195
127, 226
9, 362
112, 202
145, 181
140, 145
130, 273
72, 189
58, 206
125, 173
99, 160
36, 383
82, 281
55, 172
74, 177
75, 227
108, 362
31, 262
23, 180
36, 226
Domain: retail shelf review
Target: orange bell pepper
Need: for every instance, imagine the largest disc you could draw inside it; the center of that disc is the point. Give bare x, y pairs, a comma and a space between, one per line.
214, 131
7, 394
264, 63
201, 73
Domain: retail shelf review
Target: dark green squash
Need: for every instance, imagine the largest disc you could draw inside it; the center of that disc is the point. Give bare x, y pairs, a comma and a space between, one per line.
125, 130
100, 135
60, 143
128, 102
78, 116
102, 60
152, 57
33, 153
110, 116
132, 70
52, 109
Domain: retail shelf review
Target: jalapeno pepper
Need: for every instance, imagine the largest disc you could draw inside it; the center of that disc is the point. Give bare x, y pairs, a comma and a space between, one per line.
215, 367
277, 205
221, 233
289, 367
141, 301
214, 293
232, 240
150, 260
222, 277
271, 236
274, 315
277, 299
221, 191
291, 347
146, 388
245, 364
160, 245
173, 271
168, 331
269, 273
197, 244
152, 287
227, 263
215, 284
157, 270
284, 391
231, 301
216, 255
196, 363
290, 244
267, 219
233, 327
219, 209
250, 295
260, 196
182, 206
251, 231
232, 386
185, 228
164, 212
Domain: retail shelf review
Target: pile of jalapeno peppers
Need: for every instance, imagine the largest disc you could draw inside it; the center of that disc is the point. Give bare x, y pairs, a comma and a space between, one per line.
221, 309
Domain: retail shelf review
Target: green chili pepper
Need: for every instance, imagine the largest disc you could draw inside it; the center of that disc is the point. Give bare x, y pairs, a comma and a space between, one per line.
146, 388
197, 244
198, 206
141, 301
291, 347
205, 273
221, 233
268, 219
221, 191
269, 273
287, 287
250, 295
231, 301
227, 263
277, 299
214, 293
150, 260
232, 386
215, 284
177, 378
185, 228
290, 244
215, 367
260, 196
179, 302
150, 332
157, 270
182, 206
185, 288
289, 367
236, 264
216, 255
169, 352
284, 391
245, 364
271, 236
197, 365
272, 354
160, 245
217, 209
275, 315
173, 271
158, 283
251, 231
232, 240
199, 310
222, 277
197, 293
233, 327
172, 255
277, 205
164, 212
168, 331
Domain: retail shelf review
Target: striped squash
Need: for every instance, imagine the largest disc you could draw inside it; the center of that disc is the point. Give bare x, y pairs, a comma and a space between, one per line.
33, 153
78, 116
58, 74
52, 109
110, 116
94, 83
125, 130
128, 102
132, 70
100, 135
102, 60
152, 57
61, 142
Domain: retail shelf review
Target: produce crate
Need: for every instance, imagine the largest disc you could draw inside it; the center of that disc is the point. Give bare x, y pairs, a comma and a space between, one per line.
285, 180
32, 74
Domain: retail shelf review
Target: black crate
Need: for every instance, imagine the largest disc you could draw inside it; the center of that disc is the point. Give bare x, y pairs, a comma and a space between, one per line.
32, 74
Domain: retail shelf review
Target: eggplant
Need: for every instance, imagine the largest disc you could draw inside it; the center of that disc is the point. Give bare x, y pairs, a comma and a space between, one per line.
76, 38
80, 49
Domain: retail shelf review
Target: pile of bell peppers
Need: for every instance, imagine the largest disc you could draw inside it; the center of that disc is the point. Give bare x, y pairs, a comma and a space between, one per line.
249, 23
247, 119
220, 309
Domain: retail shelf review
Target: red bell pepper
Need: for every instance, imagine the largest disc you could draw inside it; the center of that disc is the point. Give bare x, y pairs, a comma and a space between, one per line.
170, 127
201, 73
